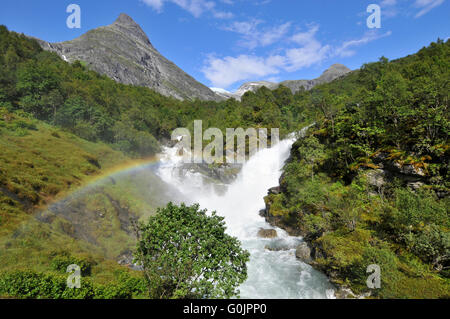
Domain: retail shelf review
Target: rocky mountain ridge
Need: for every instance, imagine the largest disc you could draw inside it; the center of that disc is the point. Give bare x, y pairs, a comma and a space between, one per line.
123, 52
332, 73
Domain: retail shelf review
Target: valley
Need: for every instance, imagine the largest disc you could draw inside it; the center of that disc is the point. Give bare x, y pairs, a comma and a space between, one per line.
359, 176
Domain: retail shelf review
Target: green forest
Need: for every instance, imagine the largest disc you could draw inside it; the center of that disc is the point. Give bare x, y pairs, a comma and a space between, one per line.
369, 184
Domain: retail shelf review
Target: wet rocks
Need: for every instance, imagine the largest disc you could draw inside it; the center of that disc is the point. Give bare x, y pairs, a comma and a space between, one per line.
303, 252
278, 245
225, 173
275, 190
267, 233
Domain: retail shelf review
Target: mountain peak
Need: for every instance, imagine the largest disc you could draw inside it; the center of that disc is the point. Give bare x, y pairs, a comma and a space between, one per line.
338, 66
333, 72
125, 19
127, 25
123, 52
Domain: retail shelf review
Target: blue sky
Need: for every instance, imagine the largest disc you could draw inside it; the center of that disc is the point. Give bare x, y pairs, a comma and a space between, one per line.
224, 43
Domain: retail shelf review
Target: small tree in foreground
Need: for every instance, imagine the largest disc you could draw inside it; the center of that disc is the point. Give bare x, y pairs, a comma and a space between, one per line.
186, 253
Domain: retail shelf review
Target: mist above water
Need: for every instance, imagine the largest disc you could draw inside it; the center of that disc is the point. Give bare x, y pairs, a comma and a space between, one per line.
271, 274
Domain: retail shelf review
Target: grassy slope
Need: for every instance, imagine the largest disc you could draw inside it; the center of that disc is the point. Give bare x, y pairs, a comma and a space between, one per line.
39, 164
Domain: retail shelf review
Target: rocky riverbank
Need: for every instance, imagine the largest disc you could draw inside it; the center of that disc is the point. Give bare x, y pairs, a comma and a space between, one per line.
308, 251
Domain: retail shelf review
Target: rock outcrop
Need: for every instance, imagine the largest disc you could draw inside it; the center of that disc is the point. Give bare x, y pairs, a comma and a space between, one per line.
267, 233
123, 52
303, 252
388, 169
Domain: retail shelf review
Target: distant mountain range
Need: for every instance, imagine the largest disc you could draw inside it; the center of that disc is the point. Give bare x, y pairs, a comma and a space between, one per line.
123, 52
334, 72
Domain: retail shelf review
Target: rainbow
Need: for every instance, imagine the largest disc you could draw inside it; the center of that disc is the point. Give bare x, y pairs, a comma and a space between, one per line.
117, 171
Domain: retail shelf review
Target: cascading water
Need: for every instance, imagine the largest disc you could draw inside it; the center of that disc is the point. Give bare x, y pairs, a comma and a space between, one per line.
271, 274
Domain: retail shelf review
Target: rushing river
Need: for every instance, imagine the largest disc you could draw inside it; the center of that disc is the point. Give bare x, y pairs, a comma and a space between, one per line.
271, 274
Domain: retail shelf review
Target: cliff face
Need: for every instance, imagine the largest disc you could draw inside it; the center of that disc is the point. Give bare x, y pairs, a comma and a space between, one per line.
123, 52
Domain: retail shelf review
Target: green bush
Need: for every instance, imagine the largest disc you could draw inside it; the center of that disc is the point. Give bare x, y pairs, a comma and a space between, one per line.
21, 124
60, 264
28, 284
431, 245
186, 253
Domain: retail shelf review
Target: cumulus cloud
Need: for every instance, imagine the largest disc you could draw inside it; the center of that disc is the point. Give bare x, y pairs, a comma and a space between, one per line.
426, 6
310, 52
307, 51
226, 71
223, 72
155, 4
194, 7
253, 36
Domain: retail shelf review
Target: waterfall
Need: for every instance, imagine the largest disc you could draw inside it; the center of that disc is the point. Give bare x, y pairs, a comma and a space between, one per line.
271, 274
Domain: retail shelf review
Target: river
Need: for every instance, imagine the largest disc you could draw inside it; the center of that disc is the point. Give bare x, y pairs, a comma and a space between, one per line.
271, 274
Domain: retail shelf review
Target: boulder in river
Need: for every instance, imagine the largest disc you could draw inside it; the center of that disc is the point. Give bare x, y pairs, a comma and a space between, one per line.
277, 245
303, 252
267, 233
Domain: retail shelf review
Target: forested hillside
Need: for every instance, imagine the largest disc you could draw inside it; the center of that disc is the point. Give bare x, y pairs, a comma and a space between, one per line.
129, 118
369, 184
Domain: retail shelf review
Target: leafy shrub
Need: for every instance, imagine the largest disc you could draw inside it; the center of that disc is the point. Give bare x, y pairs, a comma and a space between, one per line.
60, 264
186, 253
28, 284
21, 124
432, 244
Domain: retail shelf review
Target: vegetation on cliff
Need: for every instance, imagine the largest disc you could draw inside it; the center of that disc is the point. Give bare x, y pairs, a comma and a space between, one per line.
369, 183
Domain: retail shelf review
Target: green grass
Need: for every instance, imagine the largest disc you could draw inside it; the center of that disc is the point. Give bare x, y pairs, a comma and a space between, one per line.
41, 165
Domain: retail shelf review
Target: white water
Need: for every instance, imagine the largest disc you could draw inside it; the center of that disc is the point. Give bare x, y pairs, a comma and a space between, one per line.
271, 274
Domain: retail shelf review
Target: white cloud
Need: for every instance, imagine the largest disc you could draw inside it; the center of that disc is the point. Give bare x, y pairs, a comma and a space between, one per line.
194, 7
311, 52
274, 34
226, 71
155, 4
389, 9
345, 49
308, 51
386, 3
223, 14
426, 6
305, 37
253, 36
